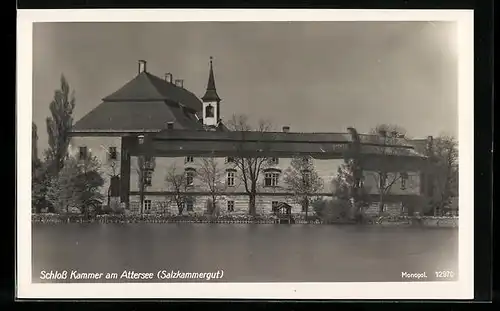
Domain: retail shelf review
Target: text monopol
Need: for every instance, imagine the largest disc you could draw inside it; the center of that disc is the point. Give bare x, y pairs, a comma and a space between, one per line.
131, 275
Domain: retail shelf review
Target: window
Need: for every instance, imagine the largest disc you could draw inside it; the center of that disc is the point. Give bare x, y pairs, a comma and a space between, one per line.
273, 161
230, 206
274, 206
382, 180
149, 163
147, 205
189, 159
148, 176
271, 179
230, 178
113, 154
190, 177
188, 204
306, 178
306, 160
229, 159
404, 178
82, 155
209, 111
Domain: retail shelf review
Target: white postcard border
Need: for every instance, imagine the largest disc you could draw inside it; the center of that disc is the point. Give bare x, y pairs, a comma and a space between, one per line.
461, 289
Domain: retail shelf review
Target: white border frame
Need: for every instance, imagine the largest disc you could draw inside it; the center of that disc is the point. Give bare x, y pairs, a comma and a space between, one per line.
461, 289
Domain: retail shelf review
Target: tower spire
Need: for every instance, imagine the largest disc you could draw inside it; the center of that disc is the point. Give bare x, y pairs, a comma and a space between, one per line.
211, 92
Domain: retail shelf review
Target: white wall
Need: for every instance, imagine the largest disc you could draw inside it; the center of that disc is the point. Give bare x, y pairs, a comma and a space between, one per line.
99, 146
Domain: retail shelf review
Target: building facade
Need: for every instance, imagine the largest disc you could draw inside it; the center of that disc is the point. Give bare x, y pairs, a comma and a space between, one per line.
157, 120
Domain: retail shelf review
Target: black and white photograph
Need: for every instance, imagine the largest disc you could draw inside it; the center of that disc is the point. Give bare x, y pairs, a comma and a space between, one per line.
245, 154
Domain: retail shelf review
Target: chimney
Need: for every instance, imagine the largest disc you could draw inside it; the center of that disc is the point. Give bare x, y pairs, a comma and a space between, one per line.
170, 125
429, 144
286, 129
179, 83
168, 77
142, 66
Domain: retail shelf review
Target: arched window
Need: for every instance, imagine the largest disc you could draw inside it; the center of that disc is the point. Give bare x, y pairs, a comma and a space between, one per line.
209, 111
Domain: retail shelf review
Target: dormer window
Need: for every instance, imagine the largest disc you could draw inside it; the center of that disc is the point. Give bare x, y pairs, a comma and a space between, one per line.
209, 111
189, 159
230, 159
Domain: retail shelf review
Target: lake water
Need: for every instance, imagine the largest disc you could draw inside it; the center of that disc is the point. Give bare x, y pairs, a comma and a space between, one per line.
245, 252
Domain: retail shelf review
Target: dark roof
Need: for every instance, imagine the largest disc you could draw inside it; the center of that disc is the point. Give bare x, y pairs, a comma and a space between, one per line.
147, 87
136, 116
211, 93
254, 136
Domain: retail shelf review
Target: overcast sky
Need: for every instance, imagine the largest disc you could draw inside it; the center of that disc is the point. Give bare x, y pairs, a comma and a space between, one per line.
312, 76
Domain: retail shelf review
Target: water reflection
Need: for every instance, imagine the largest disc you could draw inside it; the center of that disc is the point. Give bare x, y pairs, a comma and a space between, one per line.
265, 253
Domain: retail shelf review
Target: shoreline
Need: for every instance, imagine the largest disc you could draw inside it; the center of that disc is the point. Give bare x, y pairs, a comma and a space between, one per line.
389, 221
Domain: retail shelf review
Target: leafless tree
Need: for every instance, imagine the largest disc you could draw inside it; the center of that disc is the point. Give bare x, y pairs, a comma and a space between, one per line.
250, 165
302, 180
211, 174
385, 135
177, 186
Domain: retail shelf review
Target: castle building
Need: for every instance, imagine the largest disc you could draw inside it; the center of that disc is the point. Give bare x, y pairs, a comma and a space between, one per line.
153, 130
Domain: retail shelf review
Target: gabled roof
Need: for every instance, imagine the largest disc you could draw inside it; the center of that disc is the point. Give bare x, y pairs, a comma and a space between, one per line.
147, 87
136, 116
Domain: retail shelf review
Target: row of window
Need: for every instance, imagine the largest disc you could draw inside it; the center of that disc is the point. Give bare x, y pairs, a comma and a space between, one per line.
83, 153
270, 178
189, 205
190, 159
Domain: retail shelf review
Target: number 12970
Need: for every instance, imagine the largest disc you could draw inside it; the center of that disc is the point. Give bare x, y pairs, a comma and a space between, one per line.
445, 274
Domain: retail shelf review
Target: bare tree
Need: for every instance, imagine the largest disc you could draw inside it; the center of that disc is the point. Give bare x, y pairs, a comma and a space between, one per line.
250, 165
211, 174
385, 135
178, 186
59, 125
444, 155
145, 167
302, 180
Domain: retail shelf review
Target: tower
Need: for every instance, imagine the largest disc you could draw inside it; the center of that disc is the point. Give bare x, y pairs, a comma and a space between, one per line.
211, 101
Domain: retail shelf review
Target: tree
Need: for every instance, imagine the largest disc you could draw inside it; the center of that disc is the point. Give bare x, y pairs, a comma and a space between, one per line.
34, 145
346, 189
302, 180
145, 167
212, 175
250, 165
40, 183
59, 125
444, 157
385, 135
177, 185
77, 185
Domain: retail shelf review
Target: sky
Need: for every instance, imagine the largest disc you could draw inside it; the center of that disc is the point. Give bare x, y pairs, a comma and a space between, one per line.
311, 76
